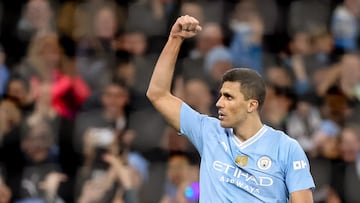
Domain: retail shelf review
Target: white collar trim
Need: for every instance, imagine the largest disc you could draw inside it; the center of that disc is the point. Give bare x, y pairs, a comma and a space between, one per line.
249, 141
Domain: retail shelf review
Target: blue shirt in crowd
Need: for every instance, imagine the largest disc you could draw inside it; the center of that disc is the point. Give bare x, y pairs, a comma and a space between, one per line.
4, 77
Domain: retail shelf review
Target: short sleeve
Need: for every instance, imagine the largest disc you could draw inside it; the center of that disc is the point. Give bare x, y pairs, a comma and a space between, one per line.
298, 176
191, 123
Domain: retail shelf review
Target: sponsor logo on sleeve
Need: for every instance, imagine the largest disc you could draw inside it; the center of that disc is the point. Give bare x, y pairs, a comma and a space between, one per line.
297, 165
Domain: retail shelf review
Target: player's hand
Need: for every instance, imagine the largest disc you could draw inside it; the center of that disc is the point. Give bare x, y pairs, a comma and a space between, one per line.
185, 27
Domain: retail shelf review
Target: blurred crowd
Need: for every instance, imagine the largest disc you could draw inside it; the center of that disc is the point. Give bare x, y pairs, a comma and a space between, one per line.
75, 125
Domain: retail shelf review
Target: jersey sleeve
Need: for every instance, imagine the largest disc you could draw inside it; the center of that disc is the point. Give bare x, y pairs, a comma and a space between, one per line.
191, 123
297, 172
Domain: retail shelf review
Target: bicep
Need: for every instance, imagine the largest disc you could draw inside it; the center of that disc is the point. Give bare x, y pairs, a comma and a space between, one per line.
301, 196
169, 107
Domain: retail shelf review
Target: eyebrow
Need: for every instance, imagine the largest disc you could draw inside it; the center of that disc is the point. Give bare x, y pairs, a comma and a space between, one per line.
226, 94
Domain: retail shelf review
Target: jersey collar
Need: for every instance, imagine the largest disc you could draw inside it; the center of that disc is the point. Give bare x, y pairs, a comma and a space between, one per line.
248, 142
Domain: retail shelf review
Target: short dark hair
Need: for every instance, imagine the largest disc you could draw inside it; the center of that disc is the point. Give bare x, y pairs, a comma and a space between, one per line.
252, 85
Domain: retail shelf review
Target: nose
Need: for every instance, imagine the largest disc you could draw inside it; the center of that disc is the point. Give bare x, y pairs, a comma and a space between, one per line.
219, 103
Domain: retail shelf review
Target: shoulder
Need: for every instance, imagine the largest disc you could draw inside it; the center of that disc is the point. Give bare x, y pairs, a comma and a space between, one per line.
191, 118
281, 135
187, 111
284, 141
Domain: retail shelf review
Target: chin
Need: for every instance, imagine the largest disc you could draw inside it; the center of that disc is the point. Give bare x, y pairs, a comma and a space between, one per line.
224, 125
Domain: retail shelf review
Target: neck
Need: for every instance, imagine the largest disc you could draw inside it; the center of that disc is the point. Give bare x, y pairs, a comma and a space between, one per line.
248, 128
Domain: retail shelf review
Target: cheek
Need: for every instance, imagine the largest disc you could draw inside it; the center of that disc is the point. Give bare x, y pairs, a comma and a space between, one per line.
238, 110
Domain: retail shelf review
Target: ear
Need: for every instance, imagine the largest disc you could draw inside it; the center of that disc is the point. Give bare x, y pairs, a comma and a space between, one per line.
253, 105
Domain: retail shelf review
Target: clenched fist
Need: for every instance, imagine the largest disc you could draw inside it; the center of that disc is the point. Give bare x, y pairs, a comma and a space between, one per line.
185, 27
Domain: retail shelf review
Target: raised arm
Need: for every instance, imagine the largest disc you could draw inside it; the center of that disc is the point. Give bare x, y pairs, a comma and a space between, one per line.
159, 91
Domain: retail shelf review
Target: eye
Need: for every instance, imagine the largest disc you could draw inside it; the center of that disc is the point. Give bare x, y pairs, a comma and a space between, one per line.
228, 97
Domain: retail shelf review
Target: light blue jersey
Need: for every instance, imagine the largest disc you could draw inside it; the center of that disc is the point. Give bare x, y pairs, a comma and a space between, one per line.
265, 168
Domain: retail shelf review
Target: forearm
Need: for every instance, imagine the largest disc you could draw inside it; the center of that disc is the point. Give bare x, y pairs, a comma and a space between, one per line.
160, 83
159, 91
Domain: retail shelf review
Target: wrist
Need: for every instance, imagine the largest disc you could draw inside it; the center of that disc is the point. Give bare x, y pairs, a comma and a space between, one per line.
174, 38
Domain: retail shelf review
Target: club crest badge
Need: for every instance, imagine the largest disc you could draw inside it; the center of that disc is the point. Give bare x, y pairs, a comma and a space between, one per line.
241, 160
264, 163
